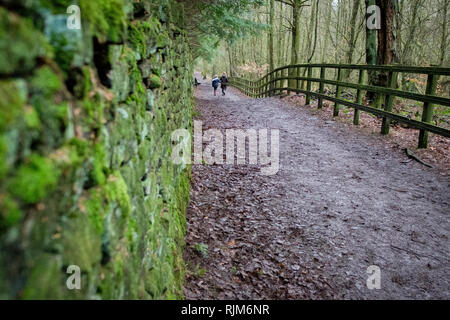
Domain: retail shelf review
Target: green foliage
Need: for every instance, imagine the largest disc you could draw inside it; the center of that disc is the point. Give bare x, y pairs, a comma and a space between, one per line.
199, 272
225, 19
202, 249
220, 21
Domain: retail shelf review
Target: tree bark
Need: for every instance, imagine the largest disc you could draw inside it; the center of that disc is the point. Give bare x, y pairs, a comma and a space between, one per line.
371, 50
352, 40
271, 23
385, 52
444, 45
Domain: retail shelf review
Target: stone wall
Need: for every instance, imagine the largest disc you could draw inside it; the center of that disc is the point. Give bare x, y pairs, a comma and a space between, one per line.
86, 177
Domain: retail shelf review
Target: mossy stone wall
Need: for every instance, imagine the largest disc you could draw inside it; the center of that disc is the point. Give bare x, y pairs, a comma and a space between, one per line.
86, 176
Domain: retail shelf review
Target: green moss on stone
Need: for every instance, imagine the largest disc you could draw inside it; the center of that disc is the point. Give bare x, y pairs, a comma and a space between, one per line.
95, 209
154, 81
11, 103
117, 191
3, 157
45, 280
78, 151
34, 179
45, 82
10, 213
106, 17
143, 36
99, 168
119, 207
20, 43
32, 118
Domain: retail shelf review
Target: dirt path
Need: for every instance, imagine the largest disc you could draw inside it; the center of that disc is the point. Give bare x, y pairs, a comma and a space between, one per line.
340, 203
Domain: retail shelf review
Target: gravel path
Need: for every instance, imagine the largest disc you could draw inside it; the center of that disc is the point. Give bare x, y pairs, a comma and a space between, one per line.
340, 203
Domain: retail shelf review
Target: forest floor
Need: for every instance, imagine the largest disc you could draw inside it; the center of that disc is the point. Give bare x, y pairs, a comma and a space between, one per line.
343, 200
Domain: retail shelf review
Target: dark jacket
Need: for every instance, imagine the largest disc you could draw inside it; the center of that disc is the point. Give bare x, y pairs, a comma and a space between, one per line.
224, 81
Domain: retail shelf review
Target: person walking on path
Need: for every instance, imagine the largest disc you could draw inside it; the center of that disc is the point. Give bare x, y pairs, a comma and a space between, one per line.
224, 83
215, 84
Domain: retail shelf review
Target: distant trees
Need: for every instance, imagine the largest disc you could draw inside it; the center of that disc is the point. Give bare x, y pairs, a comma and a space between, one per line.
294, 26
271, 5
211, 22
413, 32
444, 31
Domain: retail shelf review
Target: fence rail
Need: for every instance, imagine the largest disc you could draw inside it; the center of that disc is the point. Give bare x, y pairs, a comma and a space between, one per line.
299, 79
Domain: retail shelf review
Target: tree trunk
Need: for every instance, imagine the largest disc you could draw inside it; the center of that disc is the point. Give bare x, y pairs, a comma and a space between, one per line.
295, 47
371, 39
405, 58
315, 14
385, 52
280, 38
271, 23
326, 36
295, 35
352, 40
444, 33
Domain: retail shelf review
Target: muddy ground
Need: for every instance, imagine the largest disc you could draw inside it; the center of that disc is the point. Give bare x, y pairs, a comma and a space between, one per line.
341, 202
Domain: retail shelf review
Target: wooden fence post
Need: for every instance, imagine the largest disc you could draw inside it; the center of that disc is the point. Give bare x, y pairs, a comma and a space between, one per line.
389, 102
272, 90
308, 87
289, 68
359, 97
338, 93
272, 83
297, 83
260, 88
321, 87
266, 86
279, 81
282, 81
427, 113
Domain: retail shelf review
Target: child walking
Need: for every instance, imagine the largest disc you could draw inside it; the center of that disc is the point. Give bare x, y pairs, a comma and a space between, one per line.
224, 83
215, 84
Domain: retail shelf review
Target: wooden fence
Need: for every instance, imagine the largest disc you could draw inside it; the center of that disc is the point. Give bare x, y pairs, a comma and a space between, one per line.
299, 79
